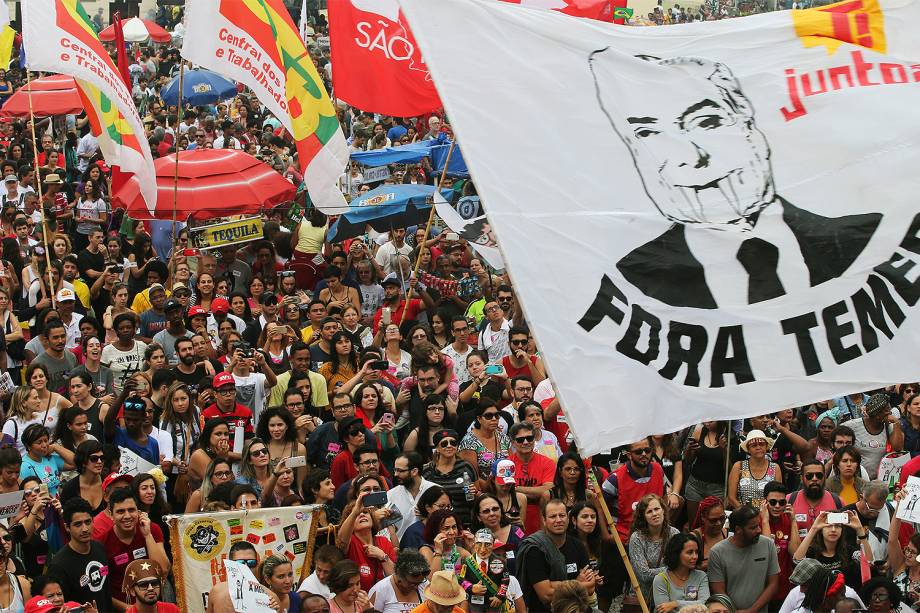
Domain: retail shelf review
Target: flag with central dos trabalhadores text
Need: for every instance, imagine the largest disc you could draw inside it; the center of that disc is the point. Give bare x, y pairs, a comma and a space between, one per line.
58, 36
256, 43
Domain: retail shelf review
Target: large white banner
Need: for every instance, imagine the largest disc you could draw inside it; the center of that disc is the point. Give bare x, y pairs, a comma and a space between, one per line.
703, 221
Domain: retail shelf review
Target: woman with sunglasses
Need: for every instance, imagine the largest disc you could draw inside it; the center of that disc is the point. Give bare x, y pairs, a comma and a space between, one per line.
488, 513
352, 435
88, 461
485, 445
429, 501
254, 466
421, 439
454, 474
218, 471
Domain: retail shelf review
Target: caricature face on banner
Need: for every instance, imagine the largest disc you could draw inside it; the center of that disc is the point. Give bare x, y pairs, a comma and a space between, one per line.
722, 213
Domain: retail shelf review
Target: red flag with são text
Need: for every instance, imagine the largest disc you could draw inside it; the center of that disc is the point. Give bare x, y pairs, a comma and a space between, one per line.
376, 63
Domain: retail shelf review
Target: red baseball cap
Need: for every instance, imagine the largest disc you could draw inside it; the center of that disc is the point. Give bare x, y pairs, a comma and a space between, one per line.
220, 305
40, 604
196, 310
113, 478
223, 378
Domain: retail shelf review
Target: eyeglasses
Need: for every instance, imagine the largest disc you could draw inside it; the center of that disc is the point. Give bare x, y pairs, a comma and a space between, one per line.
355, 432
462, 330
490, 416
518, 342
342, 407
490, 510
368, 463
96, 458
436, 407
813, 476
776, 502
643, 451
295, 404
258, 452
146, 584
492, 308
872, 509
883, 597
447, 442
226, 391
223, 474
524, 439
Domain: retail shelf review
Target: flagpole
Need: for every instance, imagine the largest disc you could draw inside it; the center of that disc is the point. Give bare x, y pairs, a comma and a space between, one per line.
418, 258
38, 182
176, 170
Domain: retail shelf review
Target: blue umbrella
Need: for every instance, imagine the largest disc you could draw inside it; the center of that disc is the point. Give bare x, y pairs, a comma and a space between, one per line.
385, 208
199, 87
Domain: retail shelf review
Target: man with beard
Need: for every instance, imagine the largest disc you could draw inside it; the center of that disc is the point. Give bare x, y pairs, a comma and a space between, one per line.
174, 331
299, 359
82, 566
427, 380
393, 300
705, 167
325, 442
56, 358
549, 557
409, 486
132, 537
808, 502
745, 566
188, 370
143, 580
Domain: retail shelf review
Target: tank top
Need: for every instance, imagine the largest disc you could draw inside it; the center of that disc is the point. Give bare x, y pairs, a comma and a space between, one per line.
17, 604
709, 466
309, 238
750, 489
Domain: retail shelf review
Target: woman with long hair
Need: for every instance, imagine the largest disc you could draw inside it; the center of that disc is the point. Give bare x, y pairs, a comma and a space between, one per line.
357, 539
50, 403
420, 439
278, 430
704, 463
12, 332
275, 341
72, 429
485, 445
903, 563
680, 583
349, 595
446, 541
585, 525
447, 469
256, 289
203, 292
180, 422
570, 483
488, 513
281, 489
318, 488
81, 394
399, 359
140, 257
343, 361
666, 452
88, 462
709, 527
119, 305
213, 443
429, 501
239, 305
277, 574
14, 589
23, 411
150, 500
647, 542
846, 480
219, 471
154, 359
827, 543
92, 213
255, 468
307, 241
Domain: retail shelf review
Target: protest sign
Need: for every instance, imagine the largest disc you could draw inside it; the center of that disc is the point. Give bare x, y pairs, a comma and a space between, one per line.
734, 229
246, 593
133, 464
10, 504
889, 469
225, 233
377, 173
907, 508
474, 228
201, 542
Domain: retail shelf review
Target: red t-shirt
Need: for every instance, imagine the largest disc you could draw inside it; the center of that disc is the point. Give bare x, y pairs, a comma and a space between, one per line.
539, 471
415, 307
102, 523
240, 416
371, 570
513, 371
121, 554
162, 607
780, 527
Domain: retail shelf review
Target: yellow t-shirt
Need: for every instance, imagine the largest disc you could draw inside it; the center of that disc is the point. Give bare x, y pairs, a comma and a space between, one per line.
310, 238
141, 301
848, 493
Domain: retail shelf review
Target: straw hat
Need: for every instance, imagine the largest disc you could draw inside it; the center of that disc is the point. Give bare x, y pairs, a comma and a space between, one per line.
755, 435
53, 179
444, 589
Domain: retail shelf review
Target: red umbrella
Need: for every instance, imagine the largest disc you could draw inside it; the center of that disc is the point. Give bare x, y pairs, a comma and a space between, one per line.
53, 95
212, 183
137, 30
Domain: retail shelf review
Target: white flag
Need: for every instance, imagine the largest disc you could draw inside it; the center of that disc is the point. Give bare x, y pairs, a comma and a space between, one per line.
704, 221
474, 227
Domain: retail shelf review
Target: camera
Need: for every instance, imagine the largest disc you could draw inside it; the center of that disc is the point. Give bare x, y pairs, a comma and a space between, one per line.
116, 268
245, 347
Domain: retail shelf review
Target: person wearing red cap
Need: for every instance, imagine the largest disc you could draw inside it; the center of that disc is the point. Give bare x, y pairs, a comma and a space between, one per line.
40, 604
102, 522
220, 311
237, 416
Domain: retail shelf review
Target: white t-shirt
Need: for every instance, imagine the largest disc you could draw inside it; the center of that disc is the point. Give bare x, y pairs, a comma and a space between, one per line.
386, 256
795, 598
313, 585
123, 364
73, 331
15, 426
250, 392
383, 597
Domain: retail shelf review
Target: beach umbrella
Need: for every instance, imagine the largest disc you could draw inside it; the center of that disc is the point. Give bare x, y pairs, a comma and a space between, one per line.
199, 87
53, 95
137, 31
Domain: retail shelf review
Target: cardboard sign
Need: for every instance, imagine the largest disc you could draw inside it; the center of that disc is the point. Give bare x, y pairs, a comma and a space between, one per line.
246, 592
908, 508
377, 173
10, 503
133, 464
227, 233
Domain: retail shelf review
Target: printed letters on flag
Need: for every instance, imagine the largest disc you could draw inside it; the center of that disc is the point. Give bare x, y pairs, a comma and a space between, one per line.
58, 36
710, 221
256, 42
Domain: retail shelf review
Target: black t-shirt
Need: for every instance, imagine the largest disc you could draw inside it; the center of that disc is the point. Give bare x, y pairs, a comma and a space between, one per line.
84, 577
193, 379
102, 302
576, 558
90, 261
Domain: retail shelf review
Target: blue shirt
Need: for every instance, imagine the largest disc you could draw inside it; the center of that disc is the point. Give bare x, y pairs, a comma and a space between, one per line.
151, 452
48, 470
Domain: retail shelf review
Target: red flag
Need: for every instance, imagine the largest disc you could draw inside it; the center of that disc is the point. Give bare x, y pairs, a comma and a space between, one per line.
377, 66
122, 51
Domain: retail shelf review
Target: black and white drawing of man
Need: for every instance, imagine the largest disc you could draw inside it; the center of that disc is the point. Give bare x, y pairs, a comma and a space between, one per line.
705, 165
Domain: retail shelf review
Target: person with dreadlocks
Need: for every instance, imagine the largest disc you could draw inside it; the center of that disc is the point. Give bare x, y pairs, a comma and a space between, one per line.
709, 527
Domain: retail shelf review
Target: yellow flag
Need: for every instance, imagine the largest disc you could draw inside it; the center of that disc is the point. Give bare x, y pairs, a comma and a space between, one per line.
7, 36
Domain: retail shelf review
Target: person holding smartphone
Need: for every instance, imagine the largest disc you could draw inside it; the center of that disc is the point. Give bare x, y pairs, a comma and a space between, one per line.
825, 543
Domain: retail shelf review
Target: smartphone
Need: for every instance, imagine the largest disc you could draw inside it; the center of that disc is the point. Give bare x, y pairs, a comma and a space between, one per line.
452, 236
190, 252
375, 499
385, 316
592, 564
380, 365
838, 518
43, 489
296, 461
494, 369
387, 418
79, 609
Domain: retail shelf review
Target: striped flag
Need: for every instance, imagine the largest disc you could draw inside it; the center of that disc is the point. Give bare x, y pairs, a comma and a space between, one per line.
58, 36
257, 43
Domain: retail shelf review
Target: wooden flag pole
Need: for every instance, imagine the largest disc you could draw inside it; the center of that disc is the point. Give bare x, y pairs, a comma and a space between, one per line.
633, 581
176, 170
418, 258
38, 182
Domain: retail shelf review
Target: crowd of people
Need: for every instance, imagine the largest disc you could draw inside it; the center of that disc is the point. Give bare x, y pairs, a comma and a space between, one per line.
418, 416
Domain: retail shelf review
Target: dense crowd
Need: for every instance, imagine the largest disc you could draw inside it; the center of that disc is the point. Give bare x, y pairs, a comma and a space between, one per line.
419, 417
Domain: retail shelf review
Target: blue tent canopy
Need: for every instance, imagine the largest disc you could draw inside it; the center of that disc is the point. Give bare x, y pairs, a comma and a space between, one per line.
387, 207
436, 149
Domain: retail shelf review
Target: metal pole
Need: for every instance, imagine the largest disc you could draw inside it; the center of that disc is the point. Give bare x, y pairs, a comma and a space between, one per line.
418, 259
38, 182
728, 455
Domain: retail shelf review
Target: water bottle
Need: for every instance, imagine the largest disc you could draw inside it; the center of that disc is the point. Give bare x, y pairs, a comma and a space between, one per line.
467, 487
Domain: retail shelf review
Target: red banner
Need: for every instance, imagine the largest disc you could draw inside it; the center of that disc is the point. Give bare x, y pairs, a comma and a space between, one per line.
376, 64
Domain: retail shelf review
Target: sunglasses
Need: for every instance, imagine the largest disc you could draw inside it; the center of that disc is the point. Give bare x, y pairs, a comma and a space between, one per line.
258, 452
643, 451
813, 476
447, 442
776, 503
7, 538
524, 439
96, 458
146, 584
490, 416
518, 342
